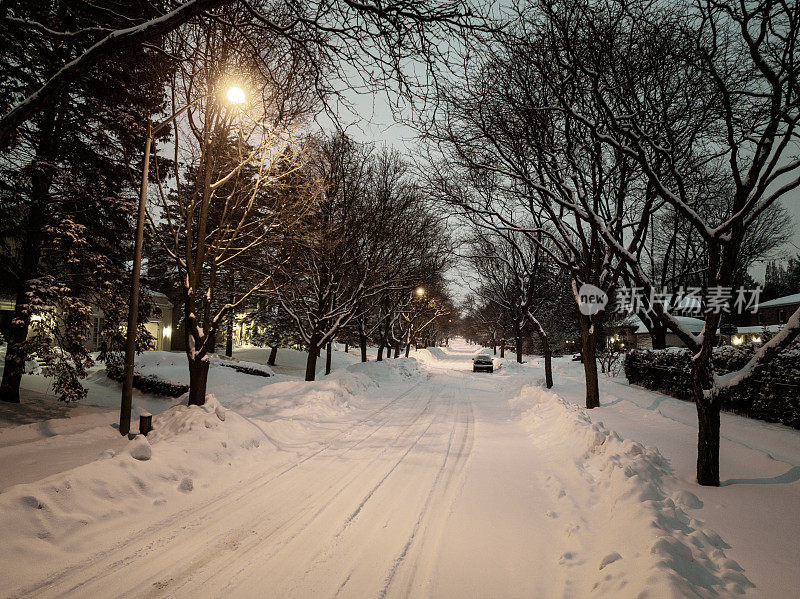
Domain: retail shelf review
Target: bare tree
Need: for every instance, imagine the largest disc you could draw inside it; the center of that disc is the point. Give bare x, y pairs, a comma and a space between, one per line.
376, 40
514, 273
369, 216
227, 202
709, 90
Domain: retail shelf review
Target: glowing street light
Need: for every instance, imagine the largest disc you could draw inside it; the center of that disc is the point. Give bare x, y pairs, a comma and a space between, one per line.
234, 95
420, 291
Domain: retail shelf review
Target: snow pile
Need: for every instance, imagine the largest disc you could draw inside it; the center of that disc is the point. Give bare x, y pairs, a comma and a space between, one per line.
58, 522
325, 399
435, 352
393, 370
642, 539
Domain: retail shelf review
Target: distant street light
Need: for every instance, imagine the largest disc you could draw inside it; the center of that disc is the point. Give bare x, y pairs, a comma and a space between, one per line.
420, 291
234, 95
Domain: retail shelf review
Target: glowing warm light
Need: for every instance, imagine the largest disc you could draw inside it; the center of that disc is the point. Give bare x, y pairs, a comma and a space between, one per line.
756, 339
420, 291
236, 95
36, 318
737, 340
167, 332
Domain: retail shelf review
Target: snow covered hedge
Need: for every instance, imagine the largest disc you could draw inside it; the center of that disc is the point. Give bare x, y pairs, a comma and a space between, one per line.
150, 384
772, 394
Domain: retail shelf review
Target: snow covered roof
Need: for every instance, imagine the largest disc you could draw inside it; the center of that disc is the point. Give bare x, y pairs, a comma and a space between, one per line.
693, 325
159, 298
760, 328
781, 301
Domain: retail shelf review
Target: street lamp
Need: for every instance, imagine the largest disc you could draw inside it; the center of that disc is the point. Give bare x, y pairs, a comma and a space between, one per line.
420, 291
234, 95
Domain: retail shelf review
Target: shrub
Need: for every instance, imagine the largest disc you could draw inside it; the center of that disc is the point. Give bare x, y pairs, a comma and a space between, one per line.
771, 394
246, 369
149, 384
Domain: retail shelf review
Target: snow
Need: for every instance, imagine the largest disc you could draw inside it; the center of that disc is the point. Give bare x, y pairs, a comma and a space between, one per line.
407, 477
692, 325
786, 300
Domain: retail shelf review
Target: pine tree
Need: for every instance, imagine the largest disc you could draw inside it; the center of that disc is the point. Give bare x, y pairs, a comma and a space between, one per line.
66, 187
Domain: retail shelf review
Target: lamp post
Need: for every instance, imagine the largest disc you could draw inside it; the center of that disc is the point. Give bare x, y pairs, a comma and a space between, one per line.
234, 95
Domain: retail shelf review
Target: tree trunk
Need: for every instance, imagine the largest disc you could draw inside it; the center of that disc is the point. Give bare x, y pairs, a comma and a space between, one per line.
548, 355
707, 443
503, 347
229, 336
708, 422
659, 337
311, 362
397, 350
548, 362
588, 351
408, 348
380, 352
198, 380
16, 351
518, 344
273, 353
494, 346
346, 347
362, 341
328, 358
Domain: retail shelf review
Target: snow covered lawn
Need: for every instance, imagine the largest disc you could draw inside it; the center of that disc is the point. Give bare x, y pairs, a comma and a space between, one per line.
410, 477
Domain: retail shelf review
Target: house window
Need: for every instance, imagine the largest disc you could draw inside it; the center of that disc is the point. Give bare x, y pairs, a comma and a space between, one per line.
760, 318
96, 329
781, 316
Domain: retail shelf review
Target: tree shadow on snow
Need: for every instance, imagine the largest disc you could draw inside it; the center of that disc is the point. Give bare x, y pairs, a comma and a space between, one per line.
791, 476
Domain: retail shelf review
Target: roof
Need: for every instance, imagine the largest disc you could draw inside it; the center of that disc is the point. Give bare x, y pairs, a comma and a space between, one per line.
786, 300
693, 325
770, 328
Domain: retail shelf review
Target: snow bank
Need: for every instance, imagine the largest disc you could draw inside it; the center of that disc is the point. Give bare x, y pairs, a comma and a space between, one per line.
435, 352
393, 370
642, 539
60, 521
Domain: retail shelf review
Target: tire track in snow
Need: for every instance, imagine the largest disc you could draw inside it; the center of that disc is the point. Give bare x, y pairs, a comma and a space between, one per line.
423, 543
198, 514
338, 486
409, 442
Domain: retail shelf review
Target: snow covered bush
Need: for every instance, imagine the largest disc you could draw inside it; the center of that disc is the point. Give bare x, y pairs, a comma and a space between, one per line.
771, 394
247, 369
150, 384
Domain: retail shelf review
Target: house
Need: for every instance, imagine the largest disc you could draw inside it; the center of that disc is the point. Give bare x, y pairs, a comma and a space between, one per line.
631, 332
774, 312
159, 325
770, 318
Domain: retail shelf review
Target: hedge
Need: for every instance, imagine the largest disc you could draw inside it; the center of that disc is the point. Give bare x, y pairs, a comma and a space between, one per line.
772, 394
246, 369
150, 384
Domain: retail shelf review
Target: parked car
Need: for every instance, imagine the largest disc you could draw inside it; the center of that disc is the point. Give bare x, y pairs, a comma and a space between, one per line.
482, 362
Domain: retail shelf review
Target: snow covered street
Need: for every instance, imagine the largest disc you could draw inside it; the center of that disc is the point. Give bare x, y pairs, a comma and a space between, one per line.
411, 478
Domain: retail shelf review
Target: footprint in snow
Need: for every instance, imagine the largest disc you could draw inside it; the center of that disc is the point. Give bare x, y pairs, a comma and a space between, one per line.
609, 559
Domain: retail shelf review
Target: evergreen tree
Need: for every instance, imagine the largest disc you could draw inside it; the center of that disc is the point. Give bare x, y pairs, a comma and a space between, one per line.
67, 184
